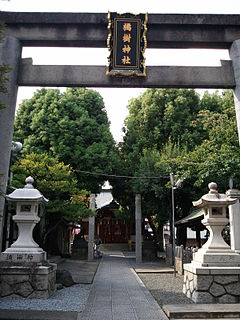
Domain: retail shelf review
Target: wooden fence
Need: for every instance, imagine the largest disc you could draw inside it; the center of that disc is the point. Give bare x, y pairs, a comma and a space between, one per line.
181, 256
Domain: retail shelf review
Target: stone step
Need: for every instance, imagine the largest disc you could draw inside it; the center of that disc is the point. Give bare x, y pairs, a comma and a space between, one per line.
38, 315
105, 247
202, 311
56, 259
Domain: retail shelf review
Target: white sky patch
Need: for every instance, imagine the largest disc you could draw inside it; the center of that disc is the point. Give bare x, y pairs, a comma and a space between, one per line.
134, 6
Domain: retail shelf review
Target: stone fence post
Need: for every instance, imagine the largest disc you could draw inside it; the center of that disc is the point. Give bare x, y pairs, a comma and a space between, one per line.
138, 222
91, 229
234, 219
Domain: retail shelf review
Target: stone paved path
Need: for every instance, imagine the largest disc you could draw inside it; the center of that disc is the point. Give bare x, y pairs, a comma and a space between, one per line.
118, 293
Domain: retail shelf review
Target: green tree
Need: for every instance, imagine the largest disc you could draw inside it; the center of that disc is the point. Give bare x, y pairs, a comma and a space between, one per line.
55, 181
217, 157
159, 122
72, 126
157, 116
58, 183
176, 131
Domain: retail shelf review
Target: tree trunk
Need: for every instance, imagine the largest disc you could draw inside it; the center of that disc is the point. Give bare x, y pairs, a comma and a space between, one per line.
160, 237
181, 236
49, 231
157, 234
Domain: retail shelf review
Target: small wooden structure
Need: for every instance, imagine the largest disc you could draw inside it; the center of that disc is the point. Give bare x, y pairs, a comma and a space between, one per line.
109, 228
192, 221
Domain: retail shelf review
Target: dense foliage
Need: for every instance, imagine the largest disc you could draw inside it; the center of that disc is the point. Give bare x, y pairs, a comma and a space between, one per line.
218, 156
57, 182
71, 126
177, 131
167, 131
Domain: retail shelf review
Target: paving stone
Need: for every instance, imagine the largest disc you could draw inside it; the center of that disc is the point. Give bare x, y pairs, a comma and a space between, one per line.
233, 288
203, 311
191, 286
103, 305
190, 276
217, 290
123, 308
184, 289
202, 282
202, 297
6, 289
124, 297
39, 294
189, 294
104, 313
227, 298
40, 282
100, 317
125, 317
12, 280
185, 277
225, 279
23, 289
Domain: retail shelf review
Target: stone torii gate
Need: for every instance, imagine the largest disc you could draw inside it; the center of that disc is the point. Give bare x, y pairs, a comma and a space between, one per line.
90, 30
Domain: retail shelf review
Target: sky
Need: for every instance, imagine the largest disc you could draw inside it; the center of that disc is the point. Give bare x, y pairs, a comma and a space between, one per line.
116, 100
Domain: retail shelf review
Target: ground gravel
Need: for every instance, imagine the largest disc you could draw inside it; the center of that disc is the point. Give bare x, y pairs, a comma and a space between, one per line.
165, 287
68, 299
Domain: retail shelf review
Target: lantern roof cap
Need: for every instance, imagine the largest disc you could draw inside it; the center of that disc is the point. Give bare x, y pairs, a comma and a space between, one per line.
27, 193
213, 198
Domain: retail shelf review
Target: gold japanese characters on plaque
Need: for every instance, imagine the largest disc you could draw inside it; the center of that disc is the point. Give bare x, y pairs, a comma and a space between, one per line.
126, 43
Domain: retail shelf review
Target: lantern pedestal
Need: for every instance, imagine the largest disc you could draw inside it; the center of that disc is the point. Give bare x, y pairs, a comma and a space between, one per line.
24, 249
27, 280
216, 252
213, 276
212, 284
24, 270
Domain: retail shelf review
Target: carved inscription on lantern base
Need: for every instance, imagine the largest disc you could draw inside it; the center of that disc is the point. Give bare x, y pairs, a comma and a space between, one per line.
212, 258
22, 257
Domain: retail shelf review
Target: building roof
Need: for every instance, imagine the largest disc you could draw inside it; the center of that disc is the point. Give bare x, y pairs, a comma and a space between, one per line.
105, 199
194, 217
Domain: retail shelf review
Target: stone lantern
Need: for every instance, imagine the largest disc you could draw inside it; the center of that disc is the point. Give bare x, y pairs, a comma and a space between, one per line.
215, 251
24, 270
213, 274
27, 201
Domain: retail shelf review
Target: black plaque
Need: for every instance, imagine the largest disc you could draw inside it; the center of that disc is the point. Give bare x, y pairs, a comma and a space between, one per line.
126, 43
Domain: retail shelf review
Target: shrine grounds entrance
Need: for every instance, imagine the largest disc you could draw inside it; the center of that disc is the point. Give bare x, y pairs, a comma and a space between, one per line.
90, 30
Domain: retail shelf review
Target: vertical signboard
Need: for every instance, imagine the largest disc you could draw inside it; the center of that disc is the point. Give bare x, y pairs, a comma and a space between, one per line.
126, 43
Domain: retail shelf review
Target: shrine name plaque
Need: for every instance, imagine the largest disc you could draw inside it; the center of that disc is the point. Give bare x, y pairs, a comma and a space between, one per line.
126, 43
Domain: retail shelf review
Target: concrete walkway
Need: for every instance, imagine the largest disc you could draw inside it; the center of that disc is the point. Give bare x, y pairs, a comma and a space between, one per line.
82, 271
118, 293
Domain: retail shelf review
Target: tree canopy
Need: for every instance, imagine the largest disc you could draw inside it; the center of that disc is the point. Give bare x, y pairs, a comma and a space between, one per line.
55, 181
217, 157
167, 130
170, 130
72, 126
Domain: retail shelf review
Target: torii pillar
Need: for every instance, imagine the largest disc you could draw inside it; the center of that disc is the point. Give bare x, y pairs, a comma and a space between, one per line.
234, 210
10, 54
235, 57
